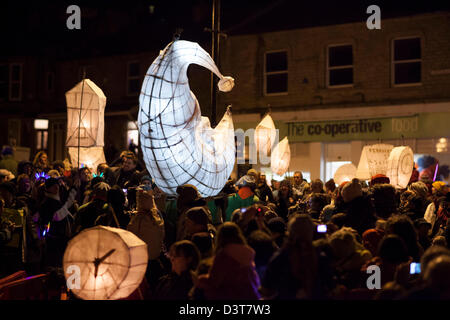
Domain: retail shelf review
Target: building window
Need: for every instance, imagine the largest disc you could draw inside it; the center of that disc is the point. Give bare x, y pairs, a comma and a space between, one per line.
50, 82
133, 78
340, 65
276, 73
11, 82
406, 61
41, 127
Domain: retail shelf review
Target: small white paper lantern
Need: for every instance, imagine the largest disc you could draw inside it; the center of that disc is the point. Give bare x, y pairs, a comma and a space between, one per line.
346, 172
373, 160
111, 263
265, 135
280, 157
400, 166
178, 144
92, 101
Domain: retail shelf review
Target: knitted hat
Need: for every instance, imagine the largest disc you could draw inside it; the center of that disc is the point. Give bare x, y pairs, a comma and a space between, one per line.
253, 173
379, 179
189, 195
351, 190
198, 215
343, 243
440, 187
246, 181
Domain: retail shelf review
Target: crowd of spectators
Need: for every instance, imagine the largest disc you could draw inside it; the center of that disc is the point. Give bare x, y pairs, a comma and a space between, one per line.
256, 239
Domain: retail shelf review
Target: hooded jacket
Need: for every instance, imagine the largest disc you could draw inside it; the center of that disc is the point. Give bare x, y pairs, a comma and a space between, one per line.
232, 275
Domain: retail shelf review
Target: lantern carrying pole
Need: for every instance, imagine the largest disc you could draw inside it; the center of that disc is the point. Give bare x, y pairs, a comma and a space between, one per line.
79, 118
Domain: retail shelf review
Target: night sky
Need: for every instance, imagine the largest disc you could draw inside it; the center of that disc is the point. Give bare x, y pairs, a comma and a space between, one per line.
112, 27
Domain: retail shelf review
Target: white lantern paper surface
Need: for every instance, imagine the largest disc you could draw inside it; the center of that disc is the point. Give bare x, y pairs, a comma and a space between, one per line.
373, 160
346, 172
280, 157
178, 144
400, 166
112, 263
265, 135
89, 157
92, 115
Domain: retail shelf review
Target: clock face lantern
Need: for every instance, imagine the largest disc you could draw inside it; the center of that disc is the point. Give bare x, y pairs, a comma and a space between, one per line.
104, 263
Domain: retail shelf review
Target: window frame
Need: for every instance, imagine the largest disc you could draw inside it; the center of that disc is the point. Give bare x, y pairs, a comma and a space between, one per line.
12, 82
138, 77
328, 68
393, 63
275, 72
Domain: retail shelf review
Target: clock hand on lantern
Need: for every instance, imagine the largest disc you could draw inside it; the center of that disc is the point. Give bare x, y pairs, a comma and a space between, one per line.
98, 261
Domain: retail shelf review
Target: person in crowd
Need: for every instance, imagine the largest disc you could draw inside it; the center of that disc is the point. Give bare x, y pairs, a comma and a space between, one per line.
148, 225
232, 274
8, 162
40, 162
300, 186
390, 254
402, 226
349, 255
263, 191
384, 199
184, 258
359, 209
293, 272
87, 214
278, 230
423, 229
55, 221
330, 186
264, 247
285, 199
371, 239
439, 241
25, 167
117, 200
197, 220
59, 166
245, 196
414, 204
84, 176
188, 197
439, 194
127, 176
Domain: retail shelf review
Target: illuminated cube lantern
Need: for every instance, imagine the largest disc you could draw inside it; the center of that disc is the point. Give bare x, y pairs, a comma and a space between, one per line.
85, 124
373, 161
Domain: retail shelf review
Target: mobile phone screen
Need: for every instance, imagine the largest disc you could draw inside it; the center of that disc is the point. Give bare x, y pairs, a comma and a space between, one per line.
322, 228
414, 268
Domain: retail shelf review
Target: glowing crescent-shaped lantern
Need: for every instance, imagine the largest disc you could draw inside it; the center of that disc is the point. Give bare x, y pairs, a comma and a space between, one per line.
346, 172
104, 263
86, 101
400, 166
178, 144
280, 157
373, 160
265, 135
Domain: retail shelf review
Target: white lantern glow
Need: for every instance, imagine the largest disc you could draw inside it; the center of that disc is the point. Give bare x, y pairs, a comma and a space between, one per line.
373, 160
265, 135
280, 157
85, 123
400, 166
178, 144
111, 263
346, 172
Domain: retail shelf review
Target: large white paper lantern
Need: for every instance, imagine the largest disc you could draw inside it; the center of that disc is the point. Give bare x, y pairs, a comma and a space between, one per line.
346, 172
85, 124
265, 135
400, 166
92, 101
373, 160
111, 263
178, 144
280, 157
89, 157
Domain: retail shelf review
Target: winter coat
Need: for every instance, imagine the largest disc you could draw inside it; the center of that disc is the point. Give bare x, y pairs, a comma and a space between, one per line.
232, 275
